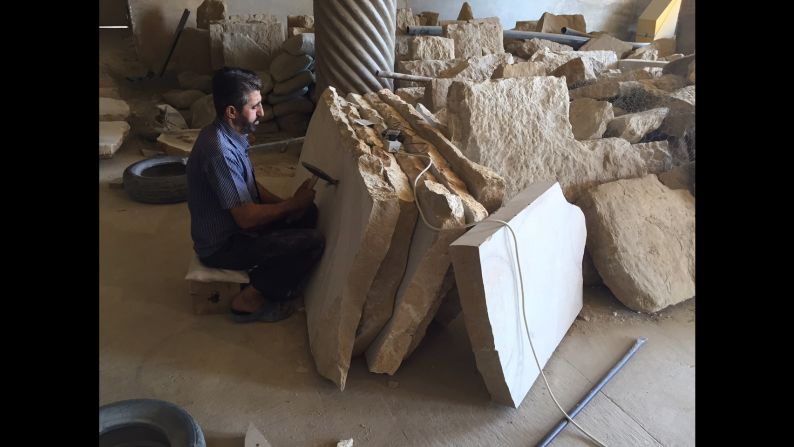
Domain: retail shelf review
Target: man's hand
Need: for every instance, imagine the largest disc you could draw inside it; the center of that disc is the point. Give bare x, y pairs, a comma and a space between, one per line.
304, 195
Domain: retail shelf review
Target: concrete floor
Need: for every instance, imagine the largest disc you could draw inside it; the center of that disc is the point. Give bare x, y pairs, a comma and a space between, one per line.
227, 375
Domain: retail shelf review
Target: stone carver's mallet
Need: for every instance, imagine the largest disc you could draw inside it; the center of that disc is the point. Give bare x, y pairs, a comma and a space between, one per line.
319, 174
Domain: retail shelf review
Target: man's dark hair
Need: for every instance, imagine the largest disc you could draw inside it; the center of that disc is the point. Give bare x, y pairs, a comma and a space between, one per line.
231, 87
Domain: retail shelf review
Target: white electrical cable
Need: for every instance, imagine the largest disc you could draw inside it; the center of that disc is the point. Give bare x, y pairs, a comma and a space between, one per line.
521, 282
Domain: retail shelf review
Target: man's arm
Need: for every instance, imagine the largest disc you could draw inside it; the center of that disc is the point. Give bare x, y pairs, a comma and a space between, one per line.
250, 215
267, 196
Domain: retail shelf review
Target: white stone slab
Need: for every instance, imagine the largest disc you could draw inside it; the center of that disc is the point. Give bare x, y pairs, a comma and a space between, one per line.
111, 109
551, 244
111, 136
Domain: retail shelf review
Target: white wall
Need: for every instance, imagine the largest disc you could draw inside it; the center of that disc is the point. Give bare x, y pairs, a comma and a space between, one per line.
154, 21
614, 16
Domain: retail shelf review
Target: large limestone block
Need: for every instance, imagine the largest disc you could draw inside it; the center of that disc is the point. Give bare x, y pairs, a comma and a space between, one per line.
608, 43
357, 217
402, 48
550, 23
432, 48
423, 68
647, 53
435, 97
589, 118
477, 69
629, 75
428, 18
113, 109
380, 298
641, 236
605, 89
526, 25
633, 126
406, 18
551, 241
491, 36
476, 38
681, 119
267, 31
680, 177
239, 50
446, 204
411, 95
602, 60
111, 137
466, 37
656, 155
669, 82
519, 127
526, 48
576, 71
414, 142
436, 120
680, 66
485, 185
519, 70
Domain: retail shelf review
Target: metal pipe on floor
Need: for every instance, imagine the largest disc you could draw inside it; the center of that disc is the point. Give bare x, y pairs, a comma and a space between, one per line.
582, 403
282, 144
403, 76
424, 30
572, 40
572, 32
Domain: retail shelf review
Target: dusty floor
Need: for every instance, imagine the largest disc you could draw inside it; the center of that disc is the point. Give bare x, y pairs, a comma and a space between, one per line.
227, 375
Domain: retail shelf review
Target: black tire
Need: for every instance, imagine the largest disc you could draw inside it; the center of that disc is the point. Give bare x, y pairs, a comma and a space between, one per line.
157, 180
149, 422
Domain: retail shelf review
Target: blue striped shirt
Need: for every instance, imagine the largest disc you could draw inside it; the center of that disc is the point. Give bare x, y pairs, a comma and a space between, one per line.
219, 177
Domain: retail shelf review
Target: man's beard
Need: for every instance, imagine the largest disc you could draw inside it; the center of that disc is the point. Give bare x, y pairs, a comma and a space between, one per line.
246, 127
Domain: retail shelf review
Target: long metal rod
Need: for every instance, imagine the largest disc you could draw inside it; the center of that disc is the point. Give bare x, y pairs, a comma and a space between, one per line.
178, 33
403, 76
277, 144
572, 32
574, 41
582, 403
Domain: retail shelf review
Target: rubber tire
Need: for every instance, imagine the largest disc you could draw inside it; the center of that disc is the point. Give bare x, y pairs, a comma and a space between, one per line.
171, 421
161, 189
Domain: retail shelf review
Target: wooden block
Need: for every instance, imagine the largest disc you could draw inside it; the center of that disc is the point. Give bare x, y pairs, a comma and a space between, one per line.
212, 297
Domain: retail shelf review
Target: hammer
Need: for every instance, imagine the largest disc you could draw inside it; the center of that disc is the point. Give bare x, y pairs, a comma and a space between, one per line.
319, 174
